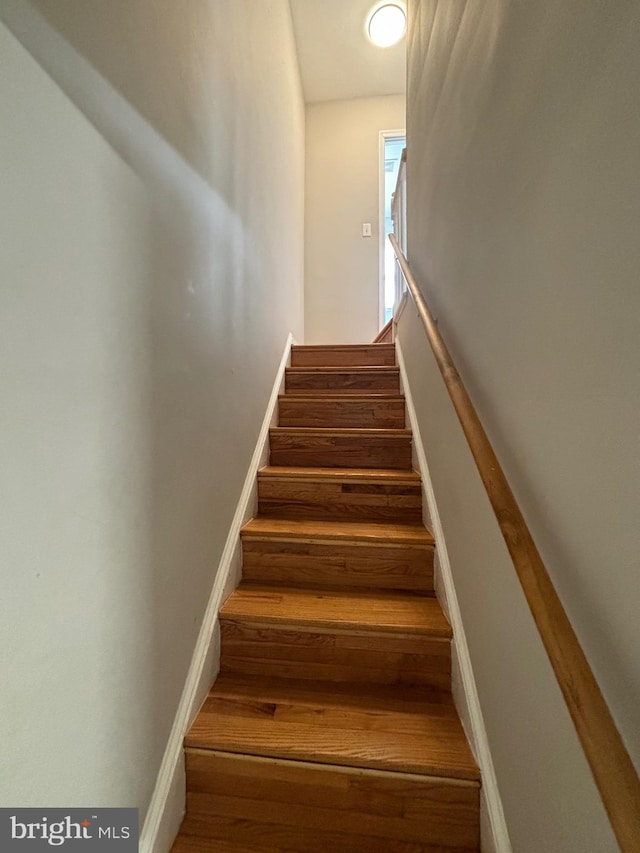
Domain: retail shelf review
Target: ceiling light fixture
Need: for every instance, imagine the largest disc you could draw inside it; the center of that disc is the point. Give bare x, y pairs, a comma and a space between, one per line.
387, 24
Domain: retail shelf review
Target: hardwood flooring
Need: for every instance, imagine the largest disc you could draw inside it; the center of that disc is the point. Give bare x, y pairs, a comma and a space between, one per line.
331, 724
393, 729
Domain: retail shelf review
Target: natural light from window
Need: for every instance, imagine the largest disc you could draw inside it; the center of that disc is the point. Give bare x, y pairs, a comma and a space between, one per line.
393, 147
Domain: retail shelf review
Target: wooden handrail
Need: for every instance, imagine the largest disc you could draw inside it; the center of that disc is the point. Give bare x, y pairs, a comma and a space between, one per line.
385, 333
612, 768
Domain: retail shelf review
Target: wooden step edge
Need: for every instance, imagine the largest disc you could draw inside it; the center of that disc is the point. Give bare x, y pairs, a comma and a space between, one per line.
186, 842
335, 627
334, 610
335, 395
378, 533
339, 768
320, 586
283, 537
364, 369
301, 395
310, 693
393, 476
340, 347
437, 770
356, 432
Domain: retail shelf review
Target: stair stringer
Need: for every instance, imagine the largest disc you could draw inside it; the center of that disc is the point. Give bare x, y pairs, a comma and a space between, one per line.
493, 827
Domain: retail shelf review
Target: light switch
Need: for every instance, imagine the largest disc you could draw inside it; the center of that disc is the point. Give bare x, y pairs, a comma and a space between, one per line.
366, 229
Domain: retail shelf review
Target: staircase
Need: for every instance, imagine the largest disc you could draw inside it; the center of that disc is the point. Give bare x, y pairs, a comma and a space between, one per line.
331, 725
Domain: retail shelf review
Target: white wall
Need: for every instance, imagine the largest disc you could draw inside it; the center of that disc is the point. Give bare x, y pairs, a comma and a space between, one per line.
151, 234
524, 199
342, 192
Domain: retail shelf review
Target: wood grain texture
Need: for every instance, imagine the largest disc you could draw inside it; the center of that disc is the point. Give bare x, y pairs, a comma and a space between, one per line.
612, 768
352, 475
360, 726
342, 494
343, 355
337, 564
378, 534
349, 380
378, 638
340, 448
382, 411
397, 613
317, 799
330, 656
256, 834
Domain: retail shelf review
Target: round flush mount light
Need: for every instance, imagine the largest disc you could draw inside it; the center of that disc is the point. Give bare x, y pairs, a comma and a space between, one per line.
386, 24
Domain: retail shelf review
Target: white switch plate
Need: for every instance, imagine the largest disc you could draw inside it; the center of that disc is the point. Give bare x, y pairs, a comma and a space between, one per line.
366, 229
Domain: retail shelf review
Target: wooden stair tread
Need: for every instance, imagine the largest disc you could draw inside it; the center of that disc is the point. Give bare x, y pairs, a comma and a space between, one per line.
202, 844
404, 699
266, 827
342, 354
355, 432
341, 447
376, 475
374, 611
348, 347
413, 535
399, 730
364, 370
299, 394
293, 839
345, 379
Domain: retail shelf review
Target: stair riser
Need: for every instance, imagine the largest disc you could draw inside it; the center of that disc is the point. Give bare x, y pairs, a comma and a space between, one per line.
362, 657
284, 805
338, 564
343, 382
380, 414
293, 498
340, 451
373, 355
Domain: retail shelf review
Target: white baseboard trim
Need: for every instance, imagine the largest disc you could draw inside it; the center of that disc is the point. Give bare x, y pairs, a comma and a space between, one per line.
495, 834
166, 808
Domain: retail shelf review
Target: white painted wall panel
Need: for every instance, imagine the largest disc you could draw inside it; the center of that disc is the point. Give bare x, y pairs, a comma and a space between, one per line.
524, 203
151, 232
342, 193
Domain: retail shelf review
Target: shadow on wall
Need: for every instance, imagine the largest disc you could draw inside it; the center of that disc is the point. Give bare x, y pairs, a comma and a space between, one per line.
196, 392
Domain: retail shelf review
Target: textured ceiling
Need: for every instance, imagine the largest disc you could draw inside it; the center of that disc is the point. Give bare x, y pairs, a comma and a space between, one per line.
337, 61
